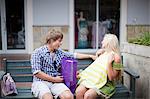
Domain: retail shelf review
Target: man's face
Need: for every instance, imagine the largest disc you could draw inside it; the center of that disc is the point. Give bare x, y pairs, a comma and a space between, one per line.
56, 44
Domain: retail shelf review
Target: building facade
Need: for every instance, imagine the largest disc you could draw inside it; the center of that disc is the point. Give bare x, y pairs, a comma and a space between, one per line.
23, 23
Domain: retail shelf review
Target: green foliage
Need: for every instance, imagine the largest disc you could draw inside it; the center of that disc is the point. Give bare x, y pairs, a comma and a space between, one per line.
142, 40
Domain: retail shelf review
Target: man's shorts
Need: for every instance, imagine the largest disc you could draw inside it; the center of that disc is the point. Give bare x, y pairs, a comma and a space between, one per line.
39, 88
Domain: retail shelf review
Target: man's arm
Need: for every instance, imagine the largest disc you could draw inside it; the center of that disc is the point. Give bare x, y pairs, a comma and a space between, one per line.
99, 52
49, 78
84, 56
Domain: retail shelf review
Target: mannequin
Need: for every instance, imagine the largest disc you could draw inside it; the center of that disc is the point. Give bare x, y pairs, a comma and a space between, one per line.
83, 31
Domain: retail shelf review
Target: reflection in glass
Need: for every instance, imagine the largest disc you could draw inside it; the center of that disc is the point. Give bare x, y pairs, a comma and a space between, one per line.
0, 34
109, 16
93, 19
15, 24
85, 15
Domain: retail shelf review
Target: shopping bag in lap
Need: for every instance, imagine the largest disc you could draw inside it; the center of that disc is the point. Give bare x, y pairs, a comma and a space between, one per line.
68, 71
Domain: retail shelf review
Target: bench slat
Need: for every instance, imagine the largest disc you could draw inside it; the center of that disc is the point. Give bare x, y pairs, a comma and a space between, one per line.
23, 78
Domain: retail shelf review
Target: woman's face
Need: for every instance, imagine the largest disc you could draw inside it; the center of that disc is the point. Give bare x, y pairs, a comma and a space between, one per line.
56, 44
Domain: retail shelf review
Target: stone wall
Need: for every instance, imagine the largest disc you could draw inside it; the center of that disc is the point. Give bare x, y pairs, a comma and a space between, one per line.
40, 31
136, 30
137, 58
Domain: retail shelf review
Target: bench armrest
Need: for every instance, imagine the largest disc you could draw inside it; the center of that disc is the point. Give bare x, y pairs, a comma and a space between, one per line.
133, 77
131, 73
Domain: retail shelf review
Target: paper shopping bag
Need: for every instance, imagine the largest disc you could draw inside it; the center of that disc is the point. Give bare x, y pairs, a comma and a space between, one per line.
68, 71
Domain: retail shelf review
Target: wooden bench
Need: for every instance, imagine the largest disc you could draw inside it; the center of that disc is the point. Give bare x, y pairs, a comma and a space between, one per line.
21, 73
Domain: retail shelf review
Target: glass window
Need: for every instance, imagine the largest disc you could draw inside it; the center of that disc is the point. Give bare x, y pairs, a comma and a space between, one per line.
85, 16
15, 24
93, 19
0, 34
109, 14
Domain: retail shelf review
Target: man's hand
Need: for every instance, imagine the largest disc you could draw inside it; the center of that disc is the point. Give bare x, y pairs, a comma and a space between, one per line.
58, 79
99, 52
93, 57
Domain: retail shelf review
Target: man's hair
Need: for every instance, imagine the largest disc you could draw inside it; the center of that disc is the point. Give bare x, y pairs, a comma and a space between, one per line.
53, 35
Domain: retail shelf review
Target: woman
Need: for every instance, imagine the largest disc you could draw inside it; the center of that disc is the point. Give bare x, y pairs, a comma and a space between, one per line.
98, 78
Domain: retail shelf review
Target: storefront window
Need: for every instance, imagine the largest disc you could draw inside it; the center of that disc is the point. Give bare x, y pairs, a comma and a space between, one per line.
109, 15
93, 19
0, 34
85, 16
15, 24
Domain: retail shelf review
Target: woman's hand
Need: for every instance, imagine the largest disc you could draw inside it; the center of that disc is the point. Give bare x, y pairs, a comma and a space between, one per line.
78, 72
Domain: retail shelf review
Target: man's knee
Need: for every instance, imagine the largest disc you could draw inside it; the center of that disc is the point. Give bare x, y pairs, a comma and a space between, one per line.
66, 95
47, 96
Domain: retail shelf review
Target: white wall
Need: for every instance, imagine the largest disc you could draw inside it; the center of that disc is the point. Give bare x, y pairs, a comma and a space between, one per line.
50, 12
123, 20
138, 12
149, 12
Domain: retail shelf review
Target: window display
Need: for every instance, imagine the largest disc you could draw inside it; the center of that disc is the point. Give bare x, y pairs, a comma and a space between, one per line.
93, 21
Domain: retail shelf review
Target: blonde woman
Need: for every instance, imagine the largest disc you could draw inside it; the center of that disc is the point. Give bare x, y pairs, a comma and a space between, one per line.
98, 78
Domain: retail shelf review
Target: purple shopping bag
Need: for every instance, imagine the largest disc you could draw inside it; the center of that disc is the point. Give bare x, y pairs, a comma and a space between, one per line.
68, 71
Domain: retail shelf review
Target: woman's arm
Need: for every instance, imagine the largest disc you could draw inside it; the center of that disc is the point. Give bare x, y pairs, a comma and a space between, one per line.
112, 73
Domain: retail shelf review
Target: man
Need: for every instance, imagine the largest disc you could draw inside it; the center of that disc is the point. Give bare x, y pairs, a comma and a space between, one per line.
46, 62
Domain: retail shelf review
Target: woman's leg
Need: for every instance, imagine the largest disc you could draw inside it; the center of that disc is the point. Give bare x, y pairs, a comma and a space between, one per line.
80, 91
90, 94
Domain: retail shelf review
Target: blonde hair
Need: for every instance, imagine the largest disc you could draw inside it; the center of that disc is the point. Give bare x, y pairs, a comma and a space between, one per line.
111, 43
53, 35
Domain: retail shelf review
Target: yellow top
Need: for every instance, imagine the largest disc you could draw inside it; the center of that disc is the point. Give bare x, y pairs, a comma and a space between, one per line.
95, 75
